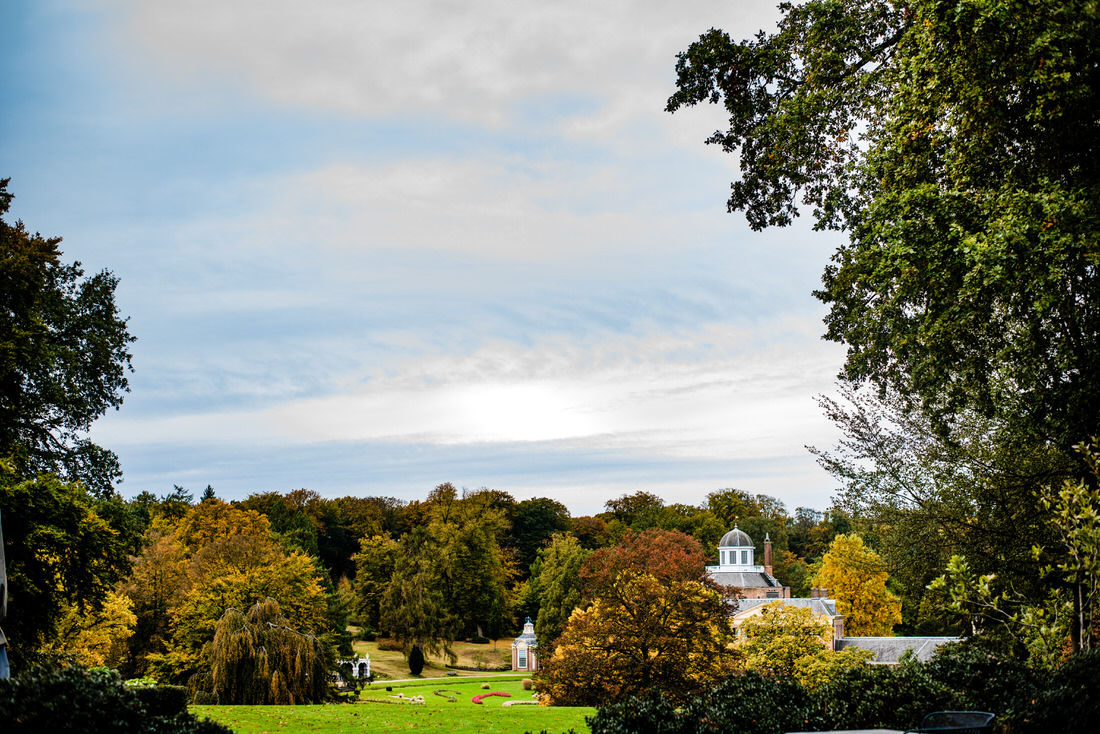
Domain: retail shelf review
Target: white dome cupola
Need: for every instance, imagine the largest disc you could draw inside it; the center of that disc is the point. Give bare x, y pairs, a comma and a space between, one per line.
736, 552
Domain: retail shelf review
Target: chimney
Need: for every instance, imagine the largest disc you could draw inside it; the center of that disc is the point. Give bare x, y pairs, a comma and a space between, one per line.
813, 593
767, 554
824, 593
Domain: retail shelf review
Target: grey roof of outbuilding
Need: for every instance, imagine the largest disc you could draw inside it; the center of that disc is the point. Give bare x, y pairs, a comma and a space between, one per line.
890, 649
744, 580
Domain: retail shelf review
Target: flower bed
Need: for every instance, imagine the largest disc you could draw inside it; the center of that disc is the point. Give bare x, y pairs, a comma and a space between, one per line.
478, 698
444, 693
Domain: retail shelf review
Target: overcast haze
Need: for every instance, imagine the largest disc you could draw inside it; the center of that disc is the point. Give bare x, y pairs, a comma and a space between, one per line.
369, 247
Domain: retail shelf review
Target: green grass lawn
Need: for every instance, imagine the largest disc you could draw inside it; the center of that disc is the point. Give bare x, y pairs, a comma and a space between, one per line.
436, 714
392, 663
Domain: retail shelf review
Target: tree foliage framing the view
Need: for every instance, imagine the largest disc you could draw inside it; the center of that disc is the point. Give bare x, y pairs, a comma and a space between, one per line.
955, 141
63, 359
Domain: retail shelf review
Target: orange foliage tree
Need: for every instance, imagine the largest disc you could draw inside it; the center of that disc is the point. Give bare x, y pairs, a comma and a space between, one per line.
655, 621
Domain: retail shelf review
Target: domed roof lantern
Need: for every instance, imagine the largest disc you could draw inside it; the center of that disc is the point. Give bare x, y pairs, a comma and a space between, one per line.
736, 539
736, 552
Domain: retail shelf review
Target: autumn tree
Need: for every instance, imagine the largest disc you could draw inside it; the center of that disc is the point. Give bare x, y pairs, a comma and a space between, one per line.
641, 634
154, 586
655, 621
666, 555
215, 558
61, 553
258, 657
779, 635
96, 637
856, 577
790, 641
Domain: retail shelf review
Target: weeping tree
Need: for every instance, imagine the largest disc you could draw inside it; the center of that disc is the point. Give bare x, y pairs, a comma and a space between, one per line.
258, 658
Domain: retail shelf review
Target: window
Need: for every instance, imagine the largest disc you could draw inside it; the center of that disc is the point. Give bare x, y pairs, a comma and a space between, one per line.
723, 561
744, 558
521, 660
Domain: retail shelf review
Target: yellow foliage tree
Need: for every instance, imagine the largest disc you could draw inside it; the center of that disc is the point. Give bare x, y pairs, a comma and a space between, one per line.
777, 637
258, 658
214, 519
643, 634
216, 557
96, 636
790, 641
856, 577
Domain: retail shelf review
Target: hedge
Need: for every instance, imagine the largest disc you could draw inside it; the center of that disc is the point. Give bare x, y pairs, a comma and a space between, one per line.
75, 699
894, 697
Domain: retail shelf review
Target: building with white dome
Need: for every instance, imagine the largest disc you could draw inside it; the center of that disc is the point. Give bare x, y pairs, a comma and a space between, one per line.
737, 568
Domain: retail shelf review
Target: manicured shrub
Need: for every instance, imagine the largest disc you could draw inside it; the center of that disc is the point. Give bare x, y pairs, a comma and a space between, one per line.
416, 660
984, 681
881, 696
485, 686
637, 715
166, 701
750, 703
527, 684
389, 644
75, 699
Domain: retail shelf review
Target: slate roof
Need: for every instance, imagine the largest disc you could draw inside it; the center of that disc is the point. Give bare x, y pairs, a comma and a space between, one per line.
756, 580
826, 607
890, 649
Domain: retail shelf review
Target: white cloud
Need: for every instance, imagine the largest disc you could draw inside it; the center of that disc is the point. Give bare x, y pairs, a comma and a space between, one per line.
469, 60
661, 396
504, 209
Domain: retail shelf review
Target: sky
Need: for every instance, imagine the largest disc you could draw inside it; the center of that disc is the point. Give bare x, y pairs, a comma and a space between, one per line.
369, 247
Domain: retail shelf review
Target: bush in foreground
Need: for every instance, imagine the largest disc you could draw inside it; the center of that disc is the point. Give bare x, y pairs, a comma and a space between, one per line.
895, 697
75, 699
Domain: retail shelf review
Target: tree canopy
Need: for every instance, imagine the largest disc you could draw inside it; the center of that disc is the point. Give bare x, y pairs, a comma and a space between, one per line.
955, 141
856, 578
654, 621
63, 358
68, 555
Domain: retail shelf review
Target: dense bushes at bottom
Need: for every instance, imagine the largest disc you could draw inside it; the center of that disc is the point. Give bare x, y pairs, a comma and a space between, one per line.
894, 697
75, 699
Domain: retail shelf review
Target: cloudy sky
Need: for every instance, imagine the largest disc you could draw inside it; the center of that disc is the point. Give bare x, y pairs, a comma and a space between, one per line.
368, 247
